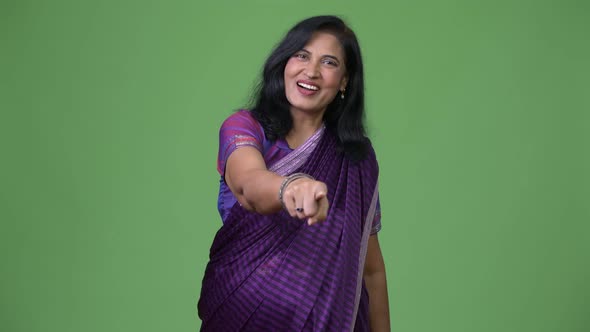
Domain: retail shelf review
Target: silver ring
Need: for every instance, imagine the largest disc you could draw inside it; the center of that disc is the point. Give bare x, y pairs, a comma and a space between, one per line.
299, 209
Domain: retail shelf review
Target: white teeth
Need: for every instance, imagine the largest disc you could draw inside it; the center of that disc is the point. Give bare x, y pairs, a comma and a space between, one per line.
309, 87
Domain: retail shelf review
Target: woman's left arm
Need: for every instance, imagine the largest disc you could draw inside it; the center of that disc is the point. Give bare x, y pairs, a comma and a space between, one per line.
376, 283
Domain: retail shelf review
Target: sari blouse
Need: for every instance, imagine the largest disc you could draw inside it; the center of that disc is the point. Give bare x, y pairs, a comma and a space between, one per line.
241, 129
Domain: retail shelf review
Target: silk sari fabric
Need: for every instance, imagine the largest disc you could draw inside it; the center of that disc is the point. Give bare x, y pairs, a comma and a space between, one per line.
276, 273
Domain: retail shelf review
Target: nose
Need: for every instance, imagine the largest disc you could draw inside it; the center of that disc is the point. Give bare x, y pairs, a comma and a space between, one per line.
312, 70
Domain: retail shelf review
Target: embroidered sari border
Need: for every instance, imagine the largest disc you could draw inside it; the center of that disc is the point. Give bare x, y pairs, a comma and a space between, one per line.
299, 156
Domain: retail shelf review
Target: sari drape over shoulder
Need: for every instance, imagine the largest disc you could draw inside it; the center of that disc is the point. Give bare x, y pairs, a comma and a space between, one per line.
276, 273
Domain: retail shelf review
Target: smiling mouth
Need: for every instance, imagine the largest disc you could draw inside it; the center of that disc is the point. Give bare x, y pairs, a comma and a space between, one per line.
308, 86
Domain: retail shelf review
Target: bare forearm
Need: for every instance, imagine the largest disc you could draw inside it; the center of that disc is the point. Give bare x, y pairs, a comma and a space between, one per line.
258, 191
257, 188
376, 283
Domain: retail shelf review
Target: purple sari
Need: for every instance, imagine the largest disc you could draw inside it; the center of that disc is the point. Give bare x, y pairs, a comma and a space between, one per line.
276, 273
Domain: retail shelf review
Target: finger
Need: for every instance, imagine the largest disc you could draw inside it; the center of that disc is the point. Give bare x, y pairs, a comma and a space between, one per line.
300, 208
320, 194
321, 214
300, 213
297, 209
289, 204
325, 207
314, 220
310, 206
316, 215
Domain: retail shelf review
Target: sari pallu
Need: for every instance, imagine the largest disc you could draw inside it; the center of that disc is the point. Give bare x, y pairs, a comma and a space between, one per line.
276, 273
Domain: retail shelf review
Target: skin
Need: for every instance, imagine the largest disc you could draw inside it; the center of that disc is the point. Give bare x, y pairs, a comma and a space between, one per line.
376, 283
320, 65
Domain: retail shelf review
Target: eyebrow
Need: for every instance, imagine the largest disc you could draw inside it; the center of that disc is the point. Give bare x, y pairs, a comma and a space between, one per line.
325, 55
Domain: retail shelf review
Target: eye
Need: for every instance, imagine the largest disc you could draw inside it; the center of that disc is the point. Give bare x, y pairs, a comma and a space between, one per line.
330, 62
301, 56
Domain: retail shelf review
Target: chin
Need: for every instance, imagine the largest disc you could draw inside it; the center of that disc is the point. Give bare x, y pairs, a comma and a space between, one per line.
308, 108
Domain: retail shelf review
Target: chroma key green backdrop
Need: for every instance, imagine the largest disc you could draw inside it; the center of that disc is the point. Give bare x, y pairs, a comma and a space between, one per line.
110, 111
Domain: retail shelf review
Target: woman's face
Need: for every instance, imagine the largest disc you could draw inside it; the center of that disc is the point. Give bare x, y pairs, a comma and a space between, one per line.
315, 74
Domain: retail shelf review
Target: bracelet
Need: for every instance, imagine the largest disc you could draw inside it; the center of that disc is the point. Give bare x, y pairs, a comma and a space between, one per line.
287, 181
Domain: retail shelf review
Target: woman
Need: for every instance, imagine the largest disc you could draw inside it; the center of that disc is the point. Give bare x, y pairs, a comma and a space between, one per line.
298, 249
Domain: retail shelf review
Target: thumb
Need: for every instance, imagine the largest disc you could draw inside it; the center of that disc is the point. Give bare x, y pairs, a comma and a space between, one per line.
319, 195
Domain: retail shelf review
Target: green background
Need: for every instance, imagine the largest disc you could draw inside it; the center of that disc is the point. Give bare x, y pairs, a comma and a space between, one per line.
110, 111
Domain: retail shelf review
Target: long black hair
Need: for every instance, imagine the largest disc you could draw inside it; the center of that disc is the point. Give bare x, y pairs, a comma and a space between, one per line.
343, 117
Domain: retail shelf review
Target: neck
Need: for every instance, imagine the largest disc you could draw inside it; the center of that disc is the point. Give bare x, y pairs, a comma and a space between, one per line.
304, 126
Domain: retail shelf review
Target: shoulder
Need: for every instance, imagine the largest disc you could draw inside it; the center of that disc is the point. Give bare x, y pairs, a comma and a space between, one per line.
242, 122
370, 149
239, 129
370, 155
360, 151
240, 118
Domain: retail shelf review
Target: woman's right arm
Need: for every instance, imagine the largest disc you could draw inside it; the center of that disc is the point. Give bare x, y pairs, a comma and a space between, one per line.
256, 188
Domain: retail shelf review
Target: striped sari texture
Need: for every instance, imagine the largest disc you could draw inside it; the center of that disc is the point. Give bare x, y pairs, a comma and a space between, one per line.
276, 273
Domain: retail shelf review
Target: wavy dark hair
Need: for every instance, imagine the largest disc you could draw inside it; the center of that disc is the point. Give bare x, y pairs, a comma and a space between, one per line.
343, 117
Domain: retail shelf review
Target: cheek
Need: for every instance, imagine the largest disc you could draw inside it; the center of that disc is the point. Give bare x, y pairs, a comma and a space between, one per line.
290, 68
333, 79
335, 86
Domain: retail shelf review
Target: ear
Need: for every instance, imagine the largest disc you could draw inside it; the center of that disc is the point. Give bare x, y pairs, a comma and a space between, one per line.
343, 83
